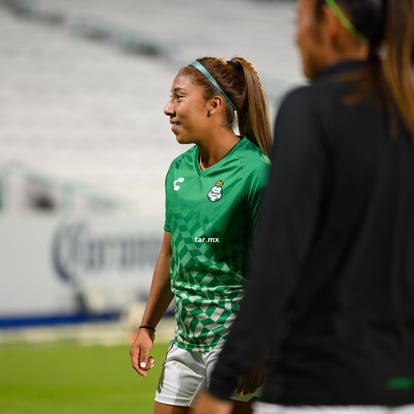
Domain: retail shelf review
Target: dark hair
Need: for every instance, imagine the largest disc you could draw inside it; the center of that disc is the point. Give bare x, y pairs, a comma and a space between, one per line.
241, 84
388, 26
398, 62
367, 16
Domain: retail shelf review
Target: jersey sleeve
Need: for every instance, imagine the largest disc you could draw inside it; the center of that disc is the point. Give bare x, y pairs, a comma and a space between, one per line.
254, 186
167, 188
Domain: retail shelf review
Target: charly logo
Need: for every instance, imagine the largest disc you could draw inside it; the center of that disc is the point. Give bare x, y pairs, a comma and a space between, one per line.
216, 193
80, 252
178, 180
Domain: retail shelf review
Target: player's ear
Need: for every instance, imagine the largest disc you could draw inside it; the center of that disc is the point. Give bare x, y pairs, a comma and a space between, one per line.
216, 103
332, 25
329, 20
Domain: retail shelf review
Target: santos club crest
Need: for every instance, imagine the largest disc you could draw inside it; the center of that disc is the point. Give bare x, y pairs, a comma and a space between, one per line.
216, 192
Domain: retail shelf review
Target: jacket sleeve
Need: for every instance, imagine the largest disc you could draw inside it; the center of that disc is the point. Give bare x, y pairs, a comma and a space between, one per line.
287, 221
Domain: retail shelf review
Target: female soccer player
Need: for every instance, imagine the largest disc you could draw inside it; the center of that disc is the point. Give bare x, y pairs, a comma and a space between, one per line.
330, 291
213, 192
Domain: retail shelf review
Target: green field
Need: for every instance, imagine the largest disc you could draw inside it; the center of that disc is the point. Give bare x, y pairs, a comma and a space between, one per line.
68, 378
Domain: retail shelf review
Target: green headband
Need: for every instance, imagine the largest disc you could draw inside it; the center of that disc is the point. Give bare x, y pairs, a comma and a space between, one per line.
206, 73
344, 20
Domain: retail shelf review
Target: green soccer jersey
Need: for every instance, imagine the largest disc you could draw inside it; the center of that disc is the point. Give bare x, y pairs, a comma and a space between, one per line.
210, 215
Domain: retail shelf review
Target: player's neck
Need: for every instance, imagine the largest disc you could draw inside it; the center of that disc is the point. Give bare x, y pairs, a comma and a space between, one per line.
210, 154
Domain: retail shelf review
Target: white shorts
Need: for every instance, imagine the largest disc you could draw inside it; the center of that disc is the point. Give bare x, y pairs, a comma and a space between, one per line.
185, 374
266, 408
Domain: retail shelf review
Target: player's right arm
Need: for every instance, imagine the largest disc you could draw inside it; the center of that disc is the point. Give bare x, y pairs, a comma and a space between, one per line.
160, 297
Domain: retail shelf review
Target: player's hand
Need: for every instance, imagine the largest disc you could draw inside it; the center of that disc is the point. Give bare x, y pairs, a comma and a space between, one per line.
141, 360
207, 404
250, 384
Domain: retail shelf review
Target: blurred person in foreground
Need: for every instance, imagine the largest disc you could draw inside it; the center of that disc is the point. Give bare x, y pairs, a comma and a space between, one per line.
213, 192
329, 298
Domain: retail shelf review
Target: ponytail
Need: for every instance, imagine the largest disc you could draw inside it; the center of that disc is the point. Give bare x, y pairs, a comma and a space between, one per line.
398, 60
388, 26
253, 118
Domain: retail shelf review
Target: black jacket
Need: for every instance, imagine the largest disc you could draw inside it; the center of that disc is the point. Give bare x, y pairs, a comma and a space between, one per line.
330, 292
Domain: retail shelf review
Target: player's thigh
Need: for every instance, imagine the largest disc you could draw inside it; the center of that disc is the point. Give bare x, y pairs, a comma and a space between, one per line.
242, 407
182, 376
160, 408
